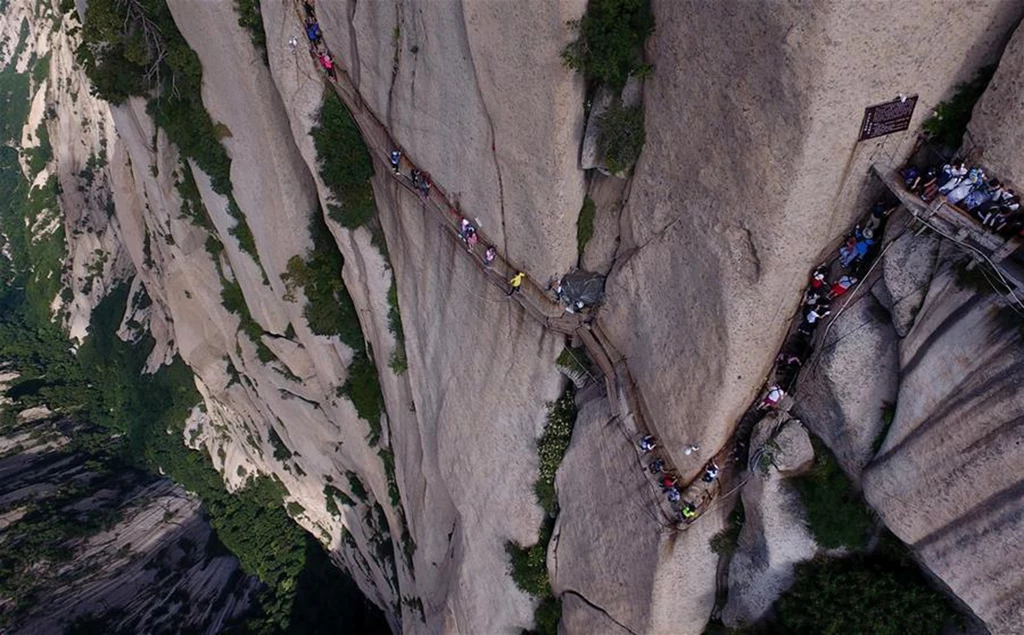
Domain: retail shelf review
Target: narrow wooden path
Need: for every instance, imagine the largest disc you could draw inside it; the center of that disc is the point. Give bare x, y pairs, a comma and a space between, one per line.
624, 396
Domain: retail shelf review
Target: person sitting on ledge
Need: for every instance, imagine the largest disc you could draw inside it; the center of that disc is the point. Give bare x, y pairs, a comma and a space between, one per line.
647, 444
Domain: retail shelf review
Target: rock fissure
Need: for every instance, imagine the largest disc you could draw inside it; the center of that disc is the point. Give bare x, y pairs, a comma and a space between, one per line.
599, 609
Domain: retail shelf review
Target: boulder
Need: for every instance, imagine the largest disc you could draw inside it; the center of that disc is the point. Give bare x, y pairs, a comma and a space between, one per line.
775, 536
946, 480
907, 268
845, 394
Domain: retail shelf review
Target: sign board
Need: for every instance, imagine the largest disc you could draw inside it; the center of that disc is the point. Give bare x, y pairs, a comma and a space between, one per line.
892, 116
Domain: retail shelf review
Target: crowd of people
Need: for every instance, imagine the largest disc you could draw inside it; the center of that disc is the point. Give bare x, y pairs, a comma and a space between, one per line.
987, 200
685, 510
317, 48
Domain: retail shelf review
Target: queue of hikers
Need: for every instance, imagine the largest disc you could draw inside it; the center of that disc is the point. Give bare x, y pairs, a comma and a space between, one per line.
988, 201
686, 511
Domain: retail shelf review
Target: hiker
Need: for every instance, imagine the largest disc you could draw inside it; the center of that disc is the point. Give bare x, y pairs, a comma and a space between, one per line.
788, 359
396, 159
293, 43
690, 449
841, 286
668, 482
307, 5
856, 246
688, 511
982, 194
817, 313
673, 495
879, 212
710, 473
489, 256
975, 178
812, 298
313, 31
929, 186
471, 238
515, 282
774, 396
425, 185
950, 177
328, 64
656, 466
647, 444
416, 177
818, 277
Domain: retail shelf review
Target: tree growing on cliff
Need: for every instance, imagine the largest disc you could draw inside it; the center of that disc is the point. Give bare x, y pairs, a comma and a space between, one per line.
621, 136
609, 44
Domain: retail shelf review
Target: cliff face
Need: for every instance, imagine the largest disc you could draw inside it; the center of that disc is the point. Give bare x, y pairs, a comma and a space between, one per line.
750, 170
106, 547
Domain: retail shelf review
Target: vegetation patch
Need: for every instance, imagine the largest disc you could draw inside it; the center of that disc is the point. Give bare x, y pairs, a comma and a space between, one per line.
357, 487
333, 496
529, 570
399, 361
363, 389
585, 224
329, 309
725, 542
836, 514
621, 135
949, 123
861, 594
251, 19
281, 451
387, 457
345, 164
609, 41
135, 49
233, 300
552, 446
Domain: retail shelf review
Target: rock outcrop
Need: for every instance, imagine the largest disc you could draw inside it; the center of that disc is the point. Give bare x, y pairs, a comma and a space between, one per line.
775, 535
741, 186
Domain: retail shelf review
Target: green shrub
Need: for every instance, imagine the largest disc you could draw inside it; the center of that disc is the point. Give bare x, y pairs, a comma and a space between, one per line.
836, 515
329, 308
233, 300
387, 457
344, 163
363, 389
575, 359
621, 136
398, 361
609, 44
949, 123
295, 509
332, 494
726, 541
860, 595
356, 485
552, 446
585, 224
528, 565
546, 616
281, 451
250, 18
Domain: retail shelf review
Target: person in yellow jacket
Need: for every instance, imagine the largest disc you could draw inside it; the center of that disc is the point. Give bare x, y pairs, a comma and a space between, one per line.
516, 282
689, 512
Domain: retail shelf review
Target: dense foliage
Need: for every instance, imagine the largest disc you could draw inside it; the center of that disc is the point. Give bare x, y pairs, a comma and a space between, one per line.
585, 224
621, 135
860, 596
251, 19
552, 446
133, 48
836, 515
949, 123
345, 164
363, 388
104, 388
609, 43
329, 308
399, 361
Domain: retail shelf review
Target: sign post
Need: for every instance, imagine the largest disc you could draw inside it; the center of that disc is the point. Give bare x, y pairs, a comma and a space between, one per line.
892, 116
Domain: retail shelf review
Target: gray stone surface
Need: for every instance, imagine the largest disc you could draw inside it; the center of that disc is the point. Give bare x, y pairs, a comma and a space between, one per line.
907, 268
947, 480
841, 396
775, 536
996, 126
